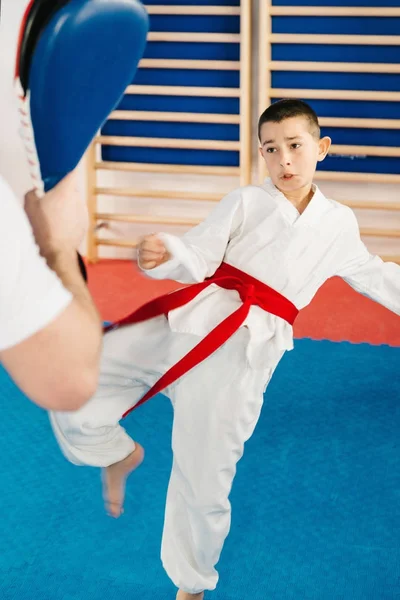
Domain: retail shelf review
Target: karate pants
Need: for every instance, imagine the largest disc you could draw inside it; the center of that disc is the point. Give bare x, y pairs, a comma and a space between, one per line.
216, 408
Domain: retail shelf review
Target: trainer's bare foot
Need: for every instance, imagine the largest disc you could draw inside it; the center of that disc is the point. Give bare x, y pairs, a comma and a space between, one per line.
181, 595
114, 479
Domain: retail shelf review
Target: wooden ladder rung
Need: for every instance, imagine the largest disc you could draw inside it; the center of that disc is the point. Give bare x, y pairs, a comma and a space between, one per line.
114, 242
335, 38
134, 218
167, 194
371, 205
334, 11
335, 94
177, 117
394, 259
357, 177
166, 168
179, 143
180, 90
183, 36
181, 63
340, 67
383, 233
200, 10
360, 123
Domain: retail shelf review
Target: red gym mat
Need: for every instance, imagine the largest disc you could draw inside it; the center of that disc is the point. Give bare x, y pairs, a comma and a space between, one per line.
337, 313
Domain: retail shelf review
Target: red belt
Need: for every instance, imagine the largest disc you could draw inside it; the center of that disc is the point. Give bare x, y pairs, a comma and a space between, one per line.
251, 291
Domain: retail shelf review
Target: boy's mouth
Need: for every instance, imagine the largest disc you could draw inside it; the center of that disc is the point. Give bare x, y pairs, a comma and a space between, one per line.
287, 176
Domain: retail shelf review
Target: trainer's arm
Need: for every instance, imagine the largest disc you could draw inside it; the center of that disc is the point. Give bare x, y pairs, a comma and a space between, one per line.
52, 332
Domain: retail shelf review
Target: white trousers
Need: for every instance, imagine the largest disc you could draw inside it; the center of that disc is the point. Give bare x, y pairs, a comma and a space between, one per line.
216, 408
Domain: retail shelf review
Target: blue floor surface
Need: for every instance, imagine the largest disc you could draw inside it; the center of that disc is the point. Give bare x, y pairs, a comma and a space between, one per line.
316, 501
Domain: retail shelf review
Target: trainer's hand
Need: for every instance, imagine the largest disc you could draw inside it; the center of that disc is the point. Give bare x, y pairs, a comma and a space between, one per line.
59, 219
152, 252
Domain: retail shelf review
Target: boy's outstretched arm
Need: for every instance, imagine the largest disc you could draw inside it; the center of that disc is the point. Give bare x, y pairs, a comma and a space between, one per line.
197, 254
368, 274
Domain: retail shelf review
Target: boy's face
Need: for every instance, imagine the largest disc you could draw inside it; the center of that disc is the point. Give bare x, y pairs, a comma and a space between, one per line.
291, 152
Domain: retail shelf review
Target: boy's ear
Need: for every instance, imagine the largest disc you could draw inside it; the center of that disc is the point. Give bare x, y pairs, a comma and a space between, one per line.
324, 145
261, 151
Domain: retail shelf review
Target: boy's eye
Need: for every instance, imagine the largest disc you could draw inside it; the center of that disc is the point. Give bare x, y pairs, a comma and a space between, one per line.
295, 146
270, 150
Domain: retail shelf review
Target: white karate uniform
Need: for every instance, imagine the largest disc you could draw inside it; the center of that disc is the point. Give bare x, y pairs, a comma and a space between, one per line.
217, 404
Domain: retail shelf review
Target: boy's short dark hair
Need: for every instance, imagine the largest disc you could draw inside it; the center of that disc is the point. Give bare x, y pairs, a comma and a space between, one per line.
286, 109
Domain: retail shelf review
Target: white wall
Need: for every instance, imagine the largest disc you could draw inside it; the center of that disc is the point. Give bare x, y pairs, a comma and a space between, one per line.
12, 157
13, 163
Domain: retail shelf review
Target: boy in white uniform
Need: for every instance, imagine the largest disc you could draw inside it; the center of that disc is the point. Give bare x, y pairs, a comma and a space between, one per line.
284, 234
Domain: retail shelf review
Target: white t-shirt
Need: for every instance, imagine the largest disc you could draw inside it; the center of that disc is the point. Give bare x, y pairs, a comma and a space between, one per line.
31, 295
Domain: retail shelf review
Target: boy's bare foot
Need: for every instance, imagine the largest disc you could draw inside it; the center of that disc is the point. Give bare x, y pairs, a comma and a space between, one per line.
114, 479
181, 595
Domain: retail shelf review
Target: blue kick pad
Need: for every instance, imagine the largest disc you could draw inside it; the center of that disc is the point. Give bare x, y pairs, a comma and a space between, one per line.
316, 502
83, 60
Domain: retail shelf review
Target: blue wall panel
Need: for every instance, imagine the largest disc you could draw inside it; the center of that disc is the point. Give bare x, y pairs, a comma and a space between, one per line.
192, 50
190, 131
183, 77
386, 82
180, 104
341, 25
188, 77
195, 23
172, 156
336, 53
371, 164
327, 80
324, 80
363, 137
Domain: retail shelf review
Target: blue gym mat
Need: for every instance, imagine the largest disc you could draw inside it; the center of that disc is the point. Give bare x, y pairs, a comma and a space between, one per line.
316, 501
